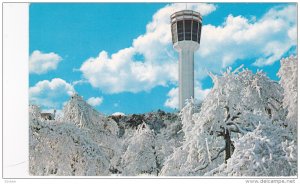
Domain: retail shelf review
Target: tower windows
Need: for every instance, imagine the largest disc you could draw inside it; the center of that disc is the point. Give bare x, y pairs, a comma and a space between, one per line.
186, 25
195, 31
199, 33
188, 29
180, 30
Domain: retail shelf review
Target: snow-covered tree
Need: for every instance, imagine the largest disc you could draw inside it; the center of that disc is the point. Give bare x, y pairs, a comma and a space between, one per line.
63, 149
238, 102
186, 157
140, 155
79, 120
168, 139
103, 130
288, 74
80, 113
166, 127
34, 112
267, 151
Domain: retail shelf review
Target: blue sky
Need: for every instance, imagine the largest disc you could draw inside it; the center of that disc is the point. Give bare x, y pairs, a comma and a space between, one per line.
119, 56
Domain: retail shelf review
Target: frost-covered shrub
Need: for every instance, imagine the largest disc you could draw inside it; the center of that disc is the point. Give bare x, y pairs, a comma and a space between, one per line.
168, 139
63, 149
288, 74
34, 112
192, 153
165, 126
140, 155
267, 151
81, 132
80, 113
102, 130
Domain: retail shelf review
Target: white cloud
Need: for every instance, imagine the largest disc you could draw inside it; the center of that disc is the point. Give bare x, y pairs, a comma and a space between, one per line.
40, 63
122, 72
95, 101
172, 100
79, 82
264, 40
48, 94
118, 114
200, 93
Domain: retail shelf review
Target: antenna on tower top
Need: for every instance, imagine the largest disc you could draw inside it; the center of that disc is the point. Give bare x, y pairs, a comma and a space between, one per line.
186, 6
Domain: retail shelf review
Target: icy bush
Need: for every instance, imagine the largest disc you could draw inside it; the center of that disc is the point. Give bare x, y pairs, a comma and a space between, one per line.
34, 112
288, 74
102, 130
267, 151
100, 147
140, 155
167, 140
63, 149
80, 113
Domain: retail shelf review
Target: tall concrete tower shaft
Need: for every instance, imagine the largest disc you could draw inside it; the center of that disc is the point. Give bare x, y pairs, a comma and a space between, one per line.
186, 32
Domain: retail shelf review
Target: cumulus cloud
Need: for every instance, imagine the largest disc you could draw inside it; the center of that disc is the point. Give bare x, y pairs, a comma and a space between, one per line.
40, 63
200, 93
121, 72
49, 94
118, 114
264, 40
172, 100
95, 101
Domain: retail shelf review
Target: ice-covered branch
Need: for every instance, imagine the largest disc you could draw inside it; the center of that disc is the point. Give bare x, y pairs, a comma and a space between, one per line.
212, 159
237, 129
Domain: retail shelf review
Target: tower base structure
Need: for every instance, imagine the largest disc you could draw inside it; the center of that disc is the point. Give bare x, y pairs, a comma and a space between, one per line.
186, 51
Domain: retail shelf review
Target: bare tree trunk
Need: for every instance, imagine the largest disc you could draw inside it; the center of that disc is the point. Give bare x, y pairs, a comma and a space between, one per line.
228, 145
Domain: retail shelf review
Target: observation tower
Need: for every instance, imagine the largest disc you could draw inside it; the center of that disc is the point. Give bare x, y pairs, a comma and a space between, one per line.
186, 32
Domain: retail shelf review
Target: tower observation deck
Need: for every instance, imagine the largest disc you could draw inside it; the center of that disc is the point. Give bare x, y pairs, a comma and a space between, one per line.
186, 33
